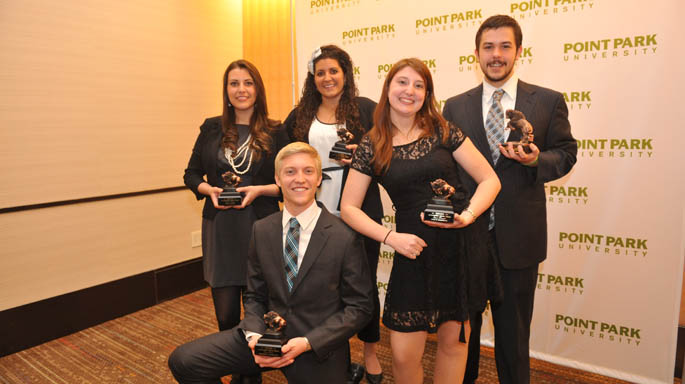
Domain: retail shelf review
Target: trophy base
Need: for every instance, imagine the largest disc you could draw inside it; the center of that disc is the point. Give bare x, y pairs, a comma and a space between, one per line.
526, 146
230, 197
269, 345
340, 152
439, 210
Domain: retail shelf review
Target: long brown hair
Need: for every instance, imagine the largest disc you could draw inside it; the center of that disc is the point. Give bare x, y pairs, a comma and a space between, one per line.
261, 127
310, 101
427, 119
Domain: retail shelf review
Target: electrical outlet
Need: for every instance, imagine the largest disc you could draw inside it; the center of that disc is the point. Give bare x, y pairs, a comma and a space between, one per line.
195, 239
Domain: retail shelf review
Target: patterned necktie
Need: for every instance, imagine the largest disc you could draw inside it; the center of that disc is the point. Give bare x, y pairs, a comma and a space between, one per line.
494, 128
292, 241
494, 125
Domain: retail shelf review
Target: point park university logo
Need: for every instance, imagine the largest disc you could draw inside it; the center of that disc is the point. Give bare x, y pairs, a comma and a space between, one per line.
560, 284
578, 100
616, 148
323, 6
449, 22
602, 244
599, 330
611, 48
567, 195
370, 33
535, 8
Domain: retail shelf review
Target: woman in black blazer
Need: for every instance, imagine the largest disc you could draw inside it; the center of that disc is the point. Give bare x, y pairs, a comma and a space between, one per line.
329, 101
243, 141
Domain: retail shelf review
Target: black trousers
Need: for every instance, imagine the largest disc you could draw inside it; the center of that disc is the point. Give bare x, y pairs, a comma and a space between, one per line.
209, 358
511, 318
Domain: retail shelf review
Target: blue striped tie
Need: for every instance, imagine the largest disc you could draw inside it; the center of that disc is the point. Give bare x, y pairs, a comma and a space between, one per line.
292, 240
494, 125
494, 128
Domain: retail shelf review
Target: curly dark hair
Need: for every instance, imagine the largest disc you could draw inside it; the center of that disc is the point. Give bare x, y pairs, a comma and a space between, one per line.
347, 110
261, 127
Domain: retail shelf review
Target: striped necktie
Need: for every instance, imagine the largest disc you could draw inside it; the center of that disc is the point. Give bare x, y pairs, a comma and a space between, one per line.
494, 125
494, 128
292, 240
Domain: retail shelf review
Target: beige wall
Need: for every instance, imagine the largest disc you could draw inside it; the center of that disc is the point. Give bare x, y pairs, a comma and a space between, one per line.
266, 43
99, 98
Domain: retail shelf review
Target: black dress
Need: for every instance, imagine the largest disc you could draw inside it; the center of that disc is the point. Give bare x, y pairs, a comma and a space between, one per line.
425, 292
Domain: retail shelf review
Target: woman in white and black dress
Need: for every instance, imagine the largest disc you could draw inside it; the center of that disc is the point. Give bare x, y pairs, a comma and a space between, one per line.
329, 101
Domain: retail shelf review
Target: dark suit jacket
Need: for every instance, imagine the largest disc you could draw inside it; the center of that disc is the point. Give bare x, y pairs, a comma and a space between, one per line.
203, 162
331, 296
520, 207
372, 201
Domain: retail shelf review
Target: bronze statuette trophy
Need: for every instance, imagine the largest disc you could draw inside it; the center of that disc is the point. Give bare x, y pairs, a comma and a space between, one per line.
229, 196
271, 342
517, 121
439, 208
339, 150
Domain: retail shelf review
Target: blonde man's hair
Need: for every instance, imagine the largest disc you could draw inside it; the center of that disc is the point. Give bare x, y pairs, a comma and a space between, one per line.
295, 148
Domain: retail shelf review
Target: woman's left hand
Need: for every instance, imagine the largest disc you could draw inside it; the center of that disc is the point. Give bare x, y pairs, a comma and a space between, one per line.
351, 147
460, 221
250, 193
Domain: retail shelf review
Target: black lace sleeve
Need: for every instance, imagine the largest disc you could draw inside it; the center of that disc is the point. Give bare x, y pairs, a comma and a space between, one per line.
456, 137
361, 161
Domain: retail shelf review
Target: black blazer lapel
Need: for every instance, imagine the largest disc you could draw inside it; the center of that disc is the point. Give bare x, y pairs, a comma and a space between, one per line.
275, 241
316, 243
210, 158
474, 111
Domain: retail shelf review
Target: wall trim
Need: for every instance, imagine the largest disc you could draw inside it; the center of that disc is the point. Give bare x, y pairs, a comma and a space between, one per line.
36, 323
30, 207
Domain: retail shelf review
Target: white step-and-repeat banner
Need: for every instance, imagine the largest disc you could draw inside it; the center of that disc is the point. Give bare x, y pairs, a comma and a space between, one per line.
608, 295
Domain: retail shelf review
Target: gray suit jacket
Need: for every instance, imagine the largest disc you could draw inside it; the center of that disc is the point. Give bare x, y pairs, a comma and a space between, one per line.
331, 298
520, 207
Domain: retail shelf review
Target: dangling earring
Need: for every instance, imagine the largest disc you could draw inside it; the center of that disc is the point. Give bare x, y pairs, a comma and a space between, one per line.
229, 104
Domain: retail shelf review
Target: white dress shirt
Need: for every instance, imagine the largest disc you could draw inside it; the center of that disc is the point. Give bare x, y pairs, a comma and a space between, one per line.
307, 220
508, 100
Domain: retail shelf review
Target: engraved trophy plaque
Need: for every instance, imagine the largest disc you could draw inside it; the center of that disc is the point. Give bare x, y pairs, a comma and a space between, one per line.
439, 208
271, 342
339, 150
229, 196
517, 121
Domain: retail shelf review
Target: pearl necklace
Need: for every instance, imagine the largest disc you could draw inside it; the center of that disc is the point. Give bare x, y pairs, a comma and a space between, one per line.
241, 152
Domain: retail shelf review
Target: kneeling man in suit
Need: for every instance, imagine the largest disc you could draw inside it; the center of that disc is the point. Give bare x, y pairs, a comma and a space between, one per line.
308, 266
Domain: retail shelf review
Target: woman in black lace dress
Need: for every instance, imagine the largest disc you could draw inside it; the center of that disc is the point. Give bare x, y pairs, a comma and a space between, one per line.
409, 146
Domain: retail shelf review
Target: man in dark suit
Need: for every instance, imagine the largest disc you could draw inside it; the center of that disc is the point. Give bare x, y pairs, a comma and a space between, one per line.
518, 223
318, 282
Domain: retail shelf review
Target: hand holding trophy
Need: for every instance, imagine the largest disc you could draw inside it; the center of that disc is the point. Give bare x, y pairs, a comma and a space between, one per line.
517, 121
271, 342
339, 150
439, 208
229, 196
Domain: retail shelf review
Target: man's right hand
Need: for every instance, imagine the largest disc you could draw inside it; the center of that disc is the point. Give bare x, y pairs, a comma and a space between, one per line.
290, 351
